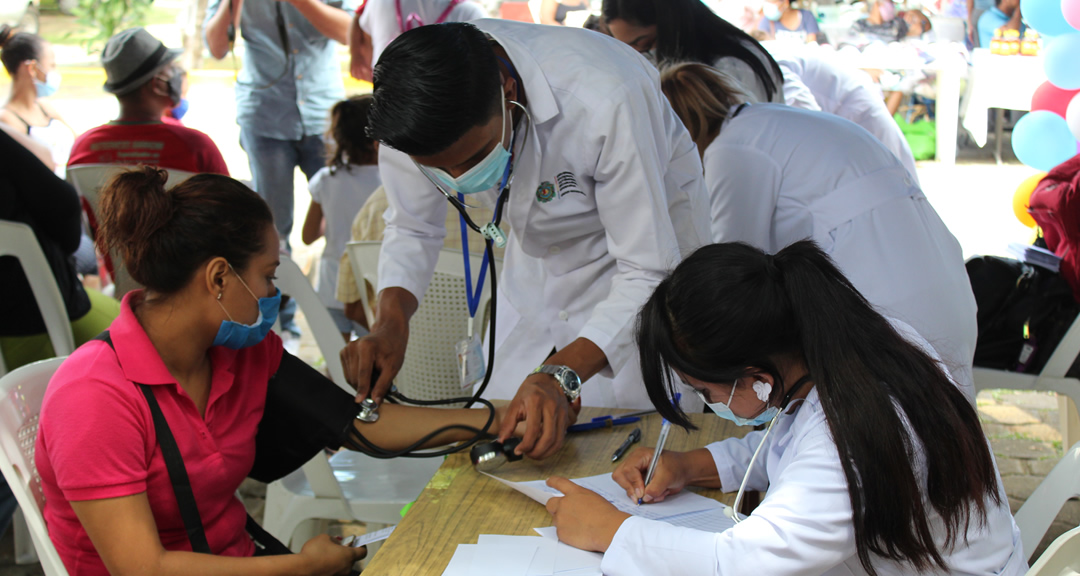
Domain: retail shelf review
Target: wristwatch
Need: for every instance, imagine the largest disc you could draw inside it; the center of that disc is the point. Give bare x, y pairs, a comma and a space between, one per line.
568, 379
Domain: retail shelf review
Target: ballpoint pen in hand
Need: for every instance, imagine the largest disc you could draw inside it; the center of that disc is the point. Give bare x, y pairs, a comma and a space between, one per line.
634, 436
664, 428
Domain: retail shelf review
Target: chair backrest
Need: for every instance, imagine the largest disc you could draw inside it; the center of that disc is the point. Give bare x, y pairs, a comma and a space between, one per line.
21, 393
291, 281
1061, 558
18, 240
88, 180
431, 370
1040, 509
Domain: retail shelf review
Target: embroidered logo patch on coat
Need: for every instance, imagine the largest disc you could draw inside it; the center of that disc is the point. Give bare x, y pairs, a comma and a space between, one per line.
545, 192
568, 184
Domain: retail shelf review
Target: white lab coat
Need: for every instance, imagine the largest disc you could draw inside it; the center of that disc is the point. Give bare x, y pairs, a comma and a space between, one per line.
625, 200
777, 175
747, 79
803, 526
380, 18
814, 81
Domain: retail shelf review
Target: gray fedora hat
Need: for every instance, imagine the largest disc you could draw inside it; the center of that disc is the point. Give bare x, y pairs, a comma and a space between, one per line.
131, 58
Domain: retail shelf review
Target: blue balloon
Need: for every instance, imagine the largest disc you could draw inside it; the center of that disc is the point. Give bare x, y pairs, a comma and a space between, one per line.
1046, 17
1042, 140
1060, 61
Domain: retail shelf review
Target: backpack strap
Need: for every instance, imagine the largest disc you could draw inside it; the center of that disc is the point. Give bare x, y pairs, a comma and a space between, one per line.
174, 462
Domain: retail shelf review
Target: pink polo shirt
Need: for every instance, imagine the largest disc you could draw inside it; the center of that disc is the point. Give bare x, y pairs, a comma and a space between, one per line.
96, 439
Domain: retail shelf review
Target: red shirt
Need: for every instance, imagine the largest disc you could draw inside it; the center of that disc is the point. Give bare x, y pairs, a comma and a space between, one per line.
166, 145
96, 439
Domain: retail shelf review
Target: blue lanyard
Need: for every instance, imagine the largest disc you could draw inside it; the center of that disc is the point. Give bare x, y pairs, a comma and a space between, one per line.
472, 295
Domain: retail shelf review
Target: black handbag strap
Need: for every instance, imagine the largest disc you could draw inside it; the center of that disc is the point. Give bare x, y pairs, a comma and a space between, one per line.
174, 462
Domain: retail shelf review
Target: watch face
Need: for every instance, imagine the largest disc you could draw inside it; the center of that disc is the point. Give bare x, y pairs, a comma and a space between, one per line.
570, 381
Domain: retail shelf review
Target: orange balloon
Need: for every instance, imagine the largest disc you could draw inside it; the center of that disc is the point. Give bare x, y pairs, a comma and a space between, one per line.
1023, 196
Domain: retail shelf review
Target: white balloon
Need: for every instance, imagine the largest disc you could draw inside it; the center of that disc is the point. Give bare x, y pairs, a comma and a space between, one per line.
1072, 116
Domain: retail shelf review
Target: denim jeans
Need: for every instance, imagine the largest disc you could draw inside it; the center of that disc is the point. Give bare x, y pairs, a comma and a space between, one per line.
273, 163
7, 506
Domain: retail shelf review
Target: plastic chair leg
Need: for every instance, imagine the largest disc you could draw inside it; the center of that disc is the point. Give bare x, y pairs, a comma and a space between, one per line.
24, 543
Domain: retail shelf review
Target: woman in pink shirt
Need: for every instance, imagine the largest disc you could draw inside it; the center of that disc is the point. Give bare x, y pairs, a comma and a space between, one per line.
195, 344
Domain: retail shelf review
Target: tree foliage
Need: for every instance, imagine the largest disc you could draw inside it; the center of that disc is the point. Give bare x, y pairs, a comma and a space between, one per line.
107, 17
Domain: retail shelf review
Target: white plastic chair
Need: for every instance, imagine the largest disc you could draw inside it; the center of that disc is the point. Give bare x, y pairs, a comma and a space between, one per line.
1040, 509
1052, 378
431, 370
18, 240
1062, 557
949, 28
88, 180
21, 393
348, 485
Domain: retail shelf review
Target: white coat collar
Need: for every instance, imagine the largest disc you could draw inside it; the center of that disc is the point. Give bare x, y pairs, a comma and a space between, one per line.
541, 101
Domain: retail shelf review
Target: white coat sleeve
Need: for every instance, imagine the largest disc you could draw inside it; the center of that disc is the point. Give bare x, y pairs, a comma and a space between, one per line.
415, 225
732, 456
802, 527
744, 185
796, 93
633, 153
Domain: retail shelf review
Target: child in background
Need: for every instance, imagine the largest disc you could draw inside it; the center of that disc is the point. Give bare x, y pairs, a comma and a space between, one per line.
337, 194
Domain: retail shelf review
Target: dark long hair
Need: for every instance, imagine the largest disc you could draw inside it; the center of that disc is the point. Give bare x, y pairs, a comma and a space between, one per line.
729, 309
689, 30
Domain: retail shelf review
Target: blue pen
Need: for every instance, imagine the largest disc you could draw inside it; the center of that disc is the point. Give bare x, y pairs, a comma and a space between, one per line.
664, 429
602, 422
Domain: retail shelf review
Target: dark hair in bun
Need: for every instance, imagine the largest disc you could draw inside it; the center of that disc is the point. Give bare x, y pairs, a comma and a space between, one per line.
18, 47
164, 236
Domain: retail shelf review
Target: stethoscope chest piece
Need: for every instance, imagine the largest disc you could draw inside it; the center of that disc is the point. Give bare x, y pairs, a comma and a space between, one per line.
488, 456
369, 411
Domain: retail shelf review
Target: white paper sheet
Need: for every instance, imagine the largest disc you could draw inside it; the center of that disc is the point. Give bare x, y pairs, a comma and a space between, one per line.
504, 559
709, 521
675, 505
461, 562
365, 539
549, 532
537, 490
543, 562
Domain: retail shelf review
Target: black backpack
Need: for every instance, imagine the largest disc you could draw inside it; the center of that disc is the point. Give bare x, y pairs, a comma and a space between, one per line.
1024, 312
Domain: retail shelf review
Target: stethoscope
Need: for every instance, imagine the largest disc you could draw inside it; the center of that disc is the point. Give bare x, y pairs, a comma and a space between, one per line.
493, 236
732, 511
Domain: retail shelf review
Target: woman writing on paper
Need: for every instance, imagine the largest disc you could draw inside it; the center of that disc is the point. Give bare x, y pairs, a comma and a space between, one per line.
874, 461
776, 175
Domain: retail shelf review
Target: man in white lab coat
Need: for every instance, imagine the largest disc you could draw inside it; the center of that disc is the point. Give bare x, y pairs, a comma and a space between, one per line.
377, 22
606, 194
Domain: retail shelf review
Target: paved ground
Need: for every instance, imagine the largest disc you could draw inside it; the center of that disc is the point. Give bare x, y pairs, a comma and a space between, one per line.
973, 198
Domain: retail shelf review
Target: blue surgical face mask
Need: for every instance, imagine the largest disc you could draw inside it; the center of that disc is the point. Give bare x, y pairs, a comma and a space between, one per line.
485, 175
49, 86
180, 109
724, 410
771, 11
235, 335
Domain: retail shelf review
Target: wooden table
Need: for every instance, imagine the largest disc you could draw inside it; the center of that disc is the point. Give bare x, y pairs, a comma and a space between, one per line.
459, 503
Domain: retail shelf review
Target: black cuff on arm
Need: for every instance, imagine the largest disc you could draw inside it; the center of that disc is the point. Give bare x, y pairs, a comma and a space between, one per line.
305, 413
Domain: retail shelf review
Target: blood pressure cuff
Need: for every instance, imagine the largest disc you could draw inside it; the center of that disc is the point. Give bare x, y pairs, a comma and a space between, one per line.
305, 413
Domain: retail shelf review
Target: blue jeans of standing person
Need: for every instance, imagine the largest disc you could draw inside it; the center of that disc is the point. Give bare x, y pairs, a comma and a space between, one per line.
273, 163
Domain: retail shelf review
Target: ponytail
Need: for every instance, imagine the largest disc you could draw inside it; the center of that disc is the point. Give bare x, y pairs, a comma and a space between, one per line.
163, 236
876, 388
18, 47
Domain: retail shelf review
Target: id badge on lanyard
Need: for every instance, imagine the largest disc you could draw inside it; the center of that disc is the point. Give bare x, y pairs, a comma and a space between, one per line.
470, 350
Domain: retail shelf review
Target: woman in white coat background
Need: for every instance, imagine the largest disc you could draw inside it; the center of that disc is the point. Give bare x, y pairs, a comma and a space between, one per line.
777, 175
688, 30
606, 194
874, 461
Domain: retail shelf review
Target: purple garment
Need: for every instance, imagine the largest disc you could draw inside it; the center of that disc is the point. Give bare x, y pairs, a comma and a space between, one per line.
808, 25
